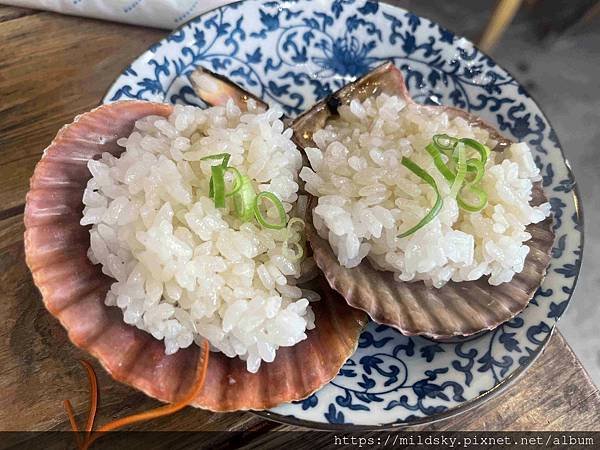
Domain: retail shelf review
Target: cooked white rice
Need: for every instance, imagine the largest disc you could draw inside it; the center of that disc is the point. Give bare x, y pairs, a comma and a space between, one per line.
184, 269
367, 198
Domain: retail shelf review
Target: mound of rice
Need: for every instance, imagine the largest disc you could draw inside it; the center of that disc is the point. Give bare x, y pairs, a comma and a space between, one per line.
367, 198
184, 269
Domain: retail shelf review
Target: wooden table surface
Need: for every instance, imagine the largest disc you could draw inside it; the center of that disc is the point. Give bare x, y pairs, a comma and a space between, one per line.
53, 67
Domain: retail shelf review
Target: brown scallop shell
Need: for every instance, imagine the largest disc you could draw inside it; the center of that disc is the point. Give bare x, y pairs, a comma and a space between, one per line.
73, 290
457, 309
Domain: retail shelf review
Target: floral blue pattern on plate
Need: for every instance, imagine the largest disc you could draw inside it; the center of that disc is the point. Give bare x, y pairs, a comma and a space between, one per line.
295, 52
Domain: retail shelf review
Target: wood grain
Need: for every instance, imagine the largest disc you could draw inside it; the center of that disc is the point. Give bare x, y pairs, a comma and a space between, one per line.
9, 13
53, 67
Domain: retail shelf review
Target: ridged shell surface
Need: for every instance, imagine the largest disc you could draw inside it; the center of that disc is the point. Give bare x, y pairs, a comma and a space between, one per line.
457, 309
74, 290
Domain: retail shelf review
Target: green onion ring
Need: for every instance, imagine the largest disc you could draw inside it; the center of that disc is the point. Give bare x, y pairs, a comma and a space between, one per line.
483, 150
461, 171
224, 156
278, 205
237, 182
294, 242
243, 200
293, 256
423, 175
444, 142
475, 166
225, 160
290, 226
482, 198
435, 153
218, 184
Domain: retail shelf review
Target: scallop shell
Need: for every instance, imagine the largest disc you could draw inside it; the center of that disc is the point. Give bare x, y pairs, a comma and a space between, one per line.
215, 89
73, 290
457, 309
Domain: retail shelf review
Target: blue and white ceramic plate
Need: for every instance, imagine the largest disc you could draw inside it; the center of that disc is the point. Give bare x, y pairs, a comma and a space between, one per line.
295, 52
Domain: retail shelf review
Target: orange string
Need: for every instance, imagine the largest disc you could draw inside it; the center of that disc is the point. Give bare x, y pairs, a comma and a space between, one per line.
71, 415
93, 380
201, 370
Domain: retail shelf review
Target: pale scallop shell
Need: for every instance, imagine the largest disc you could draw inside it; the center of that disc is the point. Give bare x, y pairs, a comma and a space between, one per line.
73, 289
457, 309
214, 89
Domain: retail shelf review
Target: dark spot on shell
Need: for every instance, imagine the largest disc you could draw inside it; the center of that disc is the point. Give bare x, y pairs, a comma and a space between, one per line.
333, 102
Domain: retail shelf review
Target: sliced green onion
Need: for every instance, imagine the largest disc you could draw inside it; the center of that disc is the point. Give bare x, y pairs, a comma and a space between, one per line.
293, 238
293, 256
290, 228
225, 160
423, 175
483, 150
444, 142
461, 171
278, 205
217, 181
435, 153
475, 166
482, 200
455, 149
243, 200
237, 181
223, 156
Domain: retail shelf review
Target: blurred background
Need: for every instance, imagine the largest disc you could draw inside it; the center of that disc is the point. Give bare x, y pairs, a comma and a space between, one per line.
552, 47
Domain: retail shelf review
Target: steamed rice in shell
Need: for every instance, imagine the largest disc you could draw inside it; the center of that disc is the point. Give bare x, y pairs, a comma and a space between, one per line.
366, 197
184, 269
